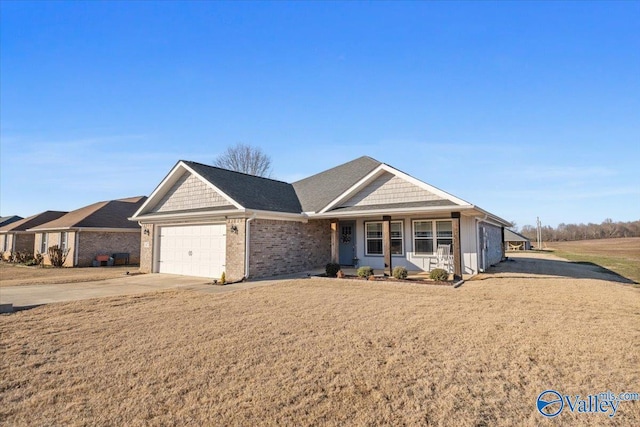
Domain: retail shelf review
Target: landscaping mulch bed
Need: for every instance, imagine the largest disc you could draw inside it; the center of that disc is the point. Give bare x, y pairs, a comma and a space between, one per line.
392, 279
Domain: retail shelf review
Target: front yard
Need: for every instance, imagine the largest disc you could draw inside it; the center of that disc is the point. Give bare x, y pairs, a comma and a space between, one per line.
16, 275
317, 351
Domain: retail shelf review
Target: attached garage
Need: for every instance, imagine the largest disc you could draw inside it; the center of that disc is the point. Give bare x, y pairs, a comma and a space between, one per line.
192, 250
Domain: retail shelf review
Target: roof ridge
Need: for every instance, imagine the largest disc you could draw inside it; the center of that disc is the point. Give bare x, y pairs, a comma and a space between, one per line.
236, 172
341, 165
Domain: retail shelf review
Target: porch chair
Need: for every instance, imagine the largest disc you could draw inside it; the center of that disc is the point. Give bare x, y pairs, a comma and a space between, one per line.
442, 258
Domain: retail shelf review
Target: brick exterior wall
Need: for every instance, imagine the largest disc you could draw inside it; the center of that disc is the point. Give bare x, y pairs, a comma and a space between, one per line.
146, 248
234, 269
92, 243
284, 247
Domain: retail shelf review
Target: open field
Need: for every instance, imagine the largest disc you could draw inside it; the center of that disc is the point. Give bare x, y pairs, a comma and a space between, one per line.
16, 275
621, 255
325, 352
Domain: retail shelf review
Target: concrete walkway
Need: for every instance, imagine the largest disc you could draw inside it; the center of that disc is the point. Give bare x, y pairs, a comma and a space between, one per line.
21, 297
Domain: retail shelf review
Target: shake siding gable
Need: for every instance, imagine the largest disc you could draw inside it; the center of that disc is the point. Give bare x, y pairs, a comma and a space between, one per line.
388, 189
189, 192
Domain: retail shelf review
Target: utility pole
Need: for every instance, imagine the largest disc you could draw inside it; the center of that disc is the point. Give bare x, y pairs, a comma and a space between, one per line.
539, 233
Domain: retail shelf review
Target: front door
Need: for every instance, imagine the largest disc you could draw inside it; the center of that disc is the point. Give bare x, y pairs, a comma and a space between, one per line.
347, 238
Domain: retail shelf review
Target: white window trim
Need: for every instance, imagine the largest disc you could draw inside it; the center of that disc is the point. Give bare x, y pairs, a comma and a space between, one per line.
433, 238
366, 247
44, 243
64, 240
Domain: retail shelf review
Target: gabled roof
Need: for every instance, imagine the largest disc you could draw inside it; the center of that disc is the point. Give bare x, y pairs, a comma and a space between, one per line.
319, 190
324, 195
32, 221
5, 220
107, 214
512, 236
249, 191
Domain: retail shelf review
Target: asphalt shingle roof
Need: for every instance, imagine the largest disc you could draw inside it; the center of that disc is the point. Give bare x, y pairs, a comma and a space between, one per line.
107, 214
512, 236
319, 190
5, 220
32, 221
252, 192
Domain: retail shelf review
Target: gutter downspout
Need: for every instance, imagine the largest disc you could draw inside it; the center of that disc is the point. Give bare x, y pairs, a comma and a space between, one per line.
247, 244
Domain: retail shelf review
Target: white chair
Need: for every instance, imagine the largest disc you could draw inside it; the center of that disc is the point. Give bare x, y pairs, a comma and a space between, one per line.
442, 258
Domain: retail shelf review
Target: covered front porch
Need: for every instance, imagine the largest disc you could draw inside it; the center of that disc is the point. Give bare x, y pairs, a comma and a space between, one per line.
416, 242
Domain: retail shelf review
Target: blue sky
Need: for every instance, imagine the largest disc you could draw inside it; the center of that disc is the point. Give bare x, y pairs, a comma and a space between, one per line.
525, 109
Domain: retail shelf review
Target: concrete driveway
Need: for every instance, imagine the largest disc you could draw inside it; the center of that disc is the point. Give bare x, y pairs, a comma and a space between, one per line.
33, 295
14, 298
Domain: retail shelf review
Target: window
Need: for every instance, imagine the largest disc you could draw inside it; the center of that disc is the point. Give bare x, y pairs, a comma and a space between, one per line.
373, 238
427, 235
63, 240
43, 244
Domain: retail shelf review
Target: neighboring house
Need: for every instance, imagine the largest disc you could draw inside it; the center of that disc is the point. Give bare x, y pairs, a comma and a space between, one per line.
14, 237
6, 220
97, 229
202, 220
516, 241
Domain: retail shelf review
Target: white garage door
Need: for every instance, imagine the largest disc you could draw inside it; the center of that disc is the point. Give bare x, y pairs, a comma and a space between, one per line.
193, 250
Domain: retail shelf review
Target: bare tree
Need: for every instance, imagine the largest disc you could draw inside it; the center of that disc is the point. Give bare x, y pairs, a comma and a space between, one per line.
245, 158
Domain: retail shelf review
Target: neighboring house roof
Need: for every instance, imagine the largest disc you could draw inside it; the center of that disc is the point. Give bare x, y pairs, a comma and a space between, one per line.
32, 221
319, 190
107, 214
252, 192
5, 220
512, 236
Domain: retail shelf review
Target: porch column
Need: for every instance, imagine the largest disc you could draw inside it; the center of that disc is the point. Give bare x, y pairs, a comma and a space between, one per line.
386, 244
457, 249
334, 241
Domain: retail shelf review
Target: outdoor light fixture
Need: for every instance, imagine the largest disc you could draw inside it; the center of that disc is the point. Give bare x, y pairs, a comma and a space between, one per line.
234, 229
146, 231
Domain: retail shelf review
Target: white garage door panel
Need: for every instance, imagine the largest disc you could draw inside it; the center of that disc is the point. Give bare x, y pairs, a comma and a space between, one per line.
193, 250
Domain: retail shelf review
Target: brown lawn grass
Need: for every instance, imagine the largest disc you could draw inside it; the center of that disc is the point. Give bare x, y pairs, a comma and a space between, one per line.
325, 352
621, 255
16, 275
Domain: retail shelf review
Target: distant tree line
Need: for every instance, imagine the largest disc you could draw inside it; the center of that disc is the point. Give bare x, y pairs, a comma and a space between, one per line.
565, 232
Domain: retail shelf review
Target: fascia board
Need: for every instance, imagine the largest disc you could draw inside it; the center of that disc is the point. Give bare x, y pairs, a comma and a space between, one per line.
152, 199
397, 211
425, 186
386, 168
282, 216
149, 219
353, 189
213, 187
166, 184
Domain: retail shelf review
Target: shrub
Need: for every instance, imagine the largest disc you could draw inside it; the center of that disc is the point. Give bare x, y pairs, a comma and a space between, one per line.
57, 255
365, 271
439, 274
223, 278
332, 269
26, 258
400, 272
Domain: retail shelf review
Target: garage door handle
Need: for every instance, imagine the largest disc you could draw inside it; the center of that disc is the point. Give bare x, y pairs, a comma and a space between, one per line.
190, 253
